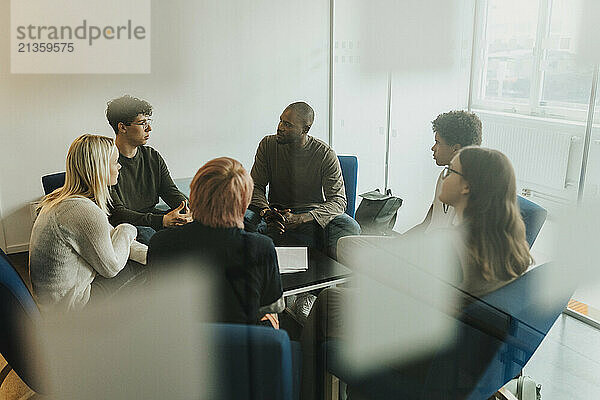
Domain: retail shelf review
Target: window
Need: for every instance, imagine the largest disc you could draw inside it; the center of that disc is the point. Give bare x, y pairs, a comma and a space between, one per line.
510, 43
526, 60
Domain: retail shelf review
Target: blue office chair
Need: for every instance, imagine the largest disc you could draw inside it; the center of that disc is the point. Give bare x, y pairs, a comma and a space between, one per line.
53, 181
19, 316
349, 166
255, 362
496, 337
533, 217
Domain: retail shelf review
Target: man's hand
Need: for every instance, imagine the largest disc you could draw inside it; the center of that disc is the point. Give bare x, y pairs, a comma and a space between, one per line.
292, 221
274, 219
278, 221
177, 217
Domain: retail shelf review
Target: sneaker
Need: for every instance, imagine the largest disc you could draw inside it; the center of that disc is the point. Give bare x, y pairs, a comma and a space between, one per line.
301, 306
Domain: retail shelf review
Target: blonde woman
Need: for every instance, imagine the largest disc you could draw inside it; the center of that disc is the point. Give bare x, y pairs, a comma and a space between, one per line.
72, 245
242, 265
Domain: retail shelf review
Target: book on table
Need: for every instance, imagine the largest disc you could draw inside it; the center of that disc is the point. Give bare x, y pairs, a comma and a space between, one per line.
292, 259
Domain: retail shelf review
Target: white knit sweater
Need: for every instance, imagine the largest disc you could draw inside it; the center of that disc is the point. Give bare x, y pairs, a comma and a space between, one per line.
70, 244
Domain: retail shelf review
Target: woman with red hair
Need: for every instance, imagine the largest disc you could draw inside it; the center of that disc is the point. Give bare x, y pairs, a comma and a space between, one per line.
241, 265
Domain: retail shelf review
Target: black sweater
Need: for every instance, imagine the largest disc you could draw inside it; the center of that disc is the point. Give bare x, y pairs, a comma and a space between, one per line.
142, 180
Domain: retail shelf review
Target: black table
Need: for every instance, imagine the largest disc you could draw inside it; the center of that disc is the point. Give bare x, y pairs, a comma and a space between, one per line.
322, 272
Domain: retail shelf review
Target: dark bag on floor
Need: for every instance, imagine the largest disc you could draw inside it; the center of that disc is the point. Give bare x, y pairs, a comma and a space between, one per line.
377, 212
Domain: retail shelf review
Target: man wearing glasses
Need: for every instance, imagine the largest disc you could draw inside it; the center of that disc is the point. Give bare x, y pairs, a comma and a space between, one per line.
144, 176
453, 130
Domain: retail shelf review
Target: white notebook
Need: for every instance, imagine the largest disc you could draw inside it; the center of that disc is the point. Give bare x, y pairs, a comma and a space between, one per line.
292, 259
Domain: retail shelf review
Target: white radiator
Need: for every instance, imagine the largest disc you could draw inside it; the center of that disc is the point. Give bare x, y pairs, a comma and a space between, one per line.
539, 155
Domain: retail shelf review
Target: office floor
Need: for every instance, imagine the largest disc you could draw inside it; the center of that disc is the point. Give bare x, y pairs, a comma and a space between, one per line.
13, 388
567, 363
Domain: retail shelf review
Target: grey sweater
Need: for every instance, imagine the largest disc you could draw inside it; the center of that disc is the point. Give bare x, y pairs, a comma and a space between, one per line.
70, 244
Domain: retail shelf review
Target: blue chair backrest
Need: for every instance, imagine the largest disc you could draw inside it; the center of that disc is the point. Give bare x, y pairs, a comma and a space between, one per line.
349, 166
528, 309
11, 280
533, 217
19, 315
253, 362
53, 181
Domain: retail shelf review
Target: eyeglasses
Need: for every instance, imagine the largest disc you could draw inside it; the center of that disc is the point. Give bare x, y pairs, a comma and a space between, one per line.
448, 171
145, 123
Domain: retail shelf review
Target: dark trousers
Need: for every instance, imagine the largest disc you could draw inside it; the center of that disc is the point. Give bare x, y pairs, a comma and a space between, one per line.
132, 277
310, 234
145, 232
324, 322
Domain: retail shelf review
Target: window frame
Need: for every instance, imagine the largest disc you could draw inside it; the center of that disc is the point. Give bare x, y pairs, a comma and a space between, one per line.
534, 106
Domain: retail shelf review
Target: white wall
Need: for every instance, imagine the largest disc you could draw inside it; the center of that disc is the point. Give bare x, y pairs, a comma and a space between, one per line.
222, 72
359, 99
418, 96
417, 99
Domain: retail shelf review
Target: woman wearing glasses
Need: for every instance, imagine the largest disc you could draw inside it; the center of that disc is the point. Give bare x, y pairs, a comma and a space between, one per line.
480, 184
75, 253
489, 245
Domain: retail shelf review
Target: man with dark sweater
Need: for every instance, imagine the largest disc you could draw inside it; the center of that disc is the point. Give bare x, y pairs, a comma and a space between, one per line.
144, 176
307, 199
